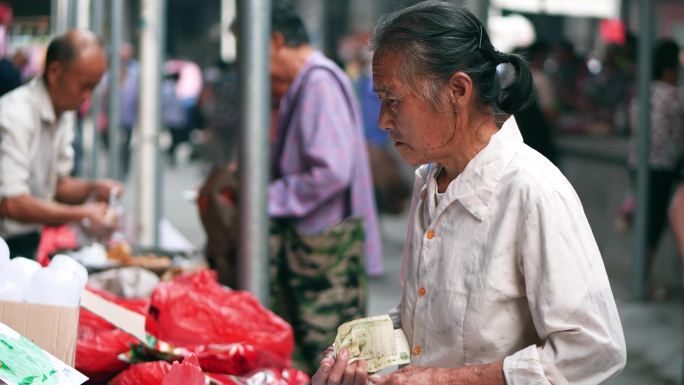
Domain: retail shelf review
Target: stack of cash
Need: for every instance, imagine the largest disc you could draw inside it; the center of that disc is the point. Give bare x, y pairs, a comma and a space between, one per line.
374, 340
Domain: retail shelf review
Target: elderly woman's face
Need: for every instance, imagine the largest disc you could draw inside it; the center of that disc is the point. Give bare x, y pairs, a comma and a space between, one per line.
418, 130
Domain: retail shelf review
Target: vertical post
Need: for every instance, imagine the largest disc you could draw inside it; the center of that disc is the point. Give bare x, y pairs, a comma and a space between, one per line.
152, 41
81, 14
71, 13
113, 115
228, 43
483, 12
96, 21
641, 250
59, 15
253, 40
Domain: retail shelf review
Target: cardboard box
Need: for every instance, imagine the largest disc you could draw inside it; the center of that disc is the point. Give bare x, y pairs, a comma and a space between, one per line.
54, 329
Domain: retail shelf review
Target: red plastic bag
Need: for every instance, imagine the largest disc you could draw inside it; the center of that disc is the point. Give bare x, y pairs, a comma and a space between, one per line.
100, 343
162, 373
228, 330
187, 373
149, 373
53, 239
264, 377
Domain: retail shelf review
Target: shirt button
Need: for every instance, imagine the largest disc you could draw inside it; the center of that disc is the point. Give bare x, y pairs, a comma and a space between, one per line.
421, 292
416, 350
430, 234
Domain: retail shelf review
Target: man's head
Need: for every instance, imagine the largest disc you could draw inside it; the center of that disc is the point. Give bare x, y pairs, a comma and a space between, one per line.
288, 35
74, 65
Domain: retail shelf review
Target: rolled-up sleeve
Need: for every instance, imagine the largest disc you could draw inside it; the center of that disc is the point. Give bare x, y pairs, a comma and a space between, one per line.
570, 300
14, 146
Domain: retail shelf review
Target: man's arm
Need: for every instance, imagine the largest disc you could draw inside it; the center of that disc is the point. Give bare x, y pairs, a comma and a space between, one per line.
75, 191
28, 209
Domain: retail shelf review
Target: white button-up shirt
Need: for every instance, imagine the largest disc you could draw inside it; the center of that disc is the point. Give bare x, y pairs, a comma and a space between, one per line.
504, 266
35, 148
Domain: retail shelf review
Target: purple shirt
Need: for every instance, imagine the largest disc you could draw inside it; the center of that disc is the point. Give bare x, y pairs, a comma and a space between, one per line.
323, 155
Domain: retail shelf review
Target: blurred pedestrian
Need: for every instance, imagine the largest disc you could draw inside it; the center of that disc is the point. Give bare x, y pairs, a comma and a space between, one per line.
535, 120
222, 117
174, 114
321, 185
666, 150
503, 282
129, 89
36, 156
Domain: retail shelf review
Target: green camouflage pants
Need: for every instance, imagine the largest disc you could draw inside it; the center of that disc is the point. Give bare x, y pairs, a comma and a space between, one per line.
317, 283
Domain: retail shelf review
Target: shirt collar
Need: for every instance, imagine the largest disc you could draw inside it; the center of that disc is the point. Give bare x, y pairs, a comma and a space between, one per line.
475, 186
47, 111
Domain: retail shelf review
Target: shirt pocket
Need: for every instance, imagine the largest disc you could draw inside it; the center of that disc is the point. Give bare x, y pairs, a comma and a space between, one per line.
503, 277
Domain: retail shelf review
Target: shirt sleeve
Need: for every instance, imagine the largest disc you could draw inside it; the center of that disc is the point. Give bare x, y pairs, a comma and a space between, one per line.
570, 300
15, 137
65, 156
324, 124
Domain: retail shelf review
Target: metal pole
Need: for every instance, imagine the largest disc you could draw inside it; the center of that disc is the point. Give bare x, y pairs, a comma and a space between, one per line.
640, 253
254, 88
113, 115
81, 14
71, 13
96, 19
483, 12
148, 202
59, 14
159, 171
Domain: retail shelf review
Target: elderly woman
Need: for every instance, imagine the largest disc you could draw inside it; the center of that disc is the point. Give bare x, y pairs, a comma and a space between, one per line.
502, 279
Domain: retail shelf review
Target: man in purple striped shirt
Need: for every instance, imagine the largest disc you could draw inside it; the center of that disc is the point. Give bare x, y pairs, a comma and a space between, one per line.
322, 173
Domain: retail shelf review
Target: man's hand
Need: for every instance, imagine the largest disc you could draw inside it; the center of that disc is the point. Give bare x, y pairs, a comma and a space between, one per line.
95, 220
104, 187
336, 371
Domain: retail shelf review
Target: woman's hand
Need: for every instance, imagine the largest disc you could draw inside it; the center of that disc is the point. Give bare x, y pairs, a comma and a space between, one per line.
337, 371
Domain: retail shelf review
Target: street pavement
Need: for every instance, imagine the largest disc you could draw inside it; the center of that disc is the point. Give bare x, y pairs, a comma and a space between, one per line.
653, 330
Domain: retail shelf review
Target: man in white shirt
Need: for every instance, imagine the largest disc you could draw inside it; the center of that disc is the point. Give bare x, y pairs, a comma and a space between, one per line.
36, 155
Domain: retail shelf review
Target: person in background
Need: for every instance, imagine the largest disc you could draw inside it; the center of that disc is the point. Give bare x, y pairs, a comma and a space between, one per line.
503, 282
320, 170
129, 89
535, 120
36, 156
666, 145
174, 114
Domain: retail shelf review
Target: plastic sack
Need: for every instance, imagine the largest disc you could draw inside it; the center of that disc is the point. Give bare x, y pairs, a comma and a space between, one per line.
263, 377
148, 373
187, 373
228, 330
100, 343
53, 239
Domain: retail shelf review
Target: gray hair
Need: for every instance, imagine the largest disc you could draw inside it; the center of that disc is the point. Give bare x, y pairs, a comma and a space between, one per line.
437, 39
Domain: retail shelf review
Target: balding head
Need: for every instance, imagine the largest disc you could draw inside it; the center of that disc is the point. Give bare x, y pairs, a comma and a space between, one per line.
74, 64
67, 47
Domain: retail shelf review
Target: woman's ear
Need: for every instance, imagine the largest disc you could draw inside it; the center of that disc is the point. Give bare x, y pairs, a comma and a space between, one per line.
460, 88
